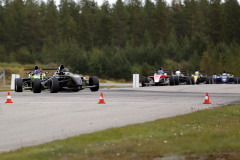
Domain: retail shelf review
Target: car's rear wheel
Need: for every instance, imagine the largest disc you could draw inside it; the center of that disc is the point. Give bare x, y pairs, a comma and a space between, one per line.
176, 80
18, 84
189, 80
54, 85
193, 81
144, 81
207, 80
211, 80
93, 81
36, 86
236, 80
171, 81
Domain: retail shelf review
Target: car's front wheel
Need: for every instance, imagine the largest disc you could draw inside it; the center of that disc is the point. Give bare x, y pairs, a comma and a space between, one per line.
18, 85
36, 86
93, 81
236, 80
176, 80
54, 85
171, 81
189, 80
208, 80
144, 81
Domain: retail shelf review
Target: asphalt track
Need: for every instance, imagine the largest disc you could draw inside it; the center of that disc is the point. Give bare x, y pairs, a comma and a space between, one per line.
38, 118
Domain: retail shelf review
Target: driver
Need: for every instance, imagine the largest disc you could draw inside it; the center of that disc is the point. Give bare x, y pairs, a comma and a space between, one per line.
196, 72
36, 70
178, 73
160, 71
65, 70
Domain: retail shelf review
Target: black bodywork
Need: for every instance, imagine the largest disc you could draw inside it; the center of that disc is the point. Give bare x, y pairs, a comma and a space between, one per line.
73, 82
61, 80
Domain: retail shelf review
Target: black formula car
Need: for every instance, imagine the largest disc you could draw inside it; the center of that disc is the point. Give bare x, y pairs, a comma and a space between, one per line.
179, 78
63, 80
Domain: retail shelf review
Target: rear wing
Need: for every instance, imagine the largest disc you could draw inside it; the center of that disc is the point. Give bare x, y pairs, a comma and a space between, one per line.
42, 69
202, 72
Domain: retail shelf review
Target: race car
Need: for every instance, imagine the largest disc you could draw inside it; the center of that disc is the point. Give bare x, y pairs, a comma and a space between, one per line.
159, 78
225, 78
198, 78
179, 78
34, 82
63, 80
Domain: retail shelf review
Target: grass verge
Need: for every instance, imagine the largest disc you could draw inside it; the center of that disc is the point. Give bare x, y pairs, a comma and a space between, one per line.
207, 134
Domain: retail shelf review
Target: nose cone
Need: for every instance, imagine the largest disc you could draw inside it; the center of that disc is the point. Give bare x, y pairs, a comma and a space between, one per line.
224, 79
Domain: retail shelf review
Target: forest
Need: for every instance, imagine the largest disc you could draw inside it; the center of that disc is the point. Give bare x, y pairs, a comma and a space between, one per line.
116, 40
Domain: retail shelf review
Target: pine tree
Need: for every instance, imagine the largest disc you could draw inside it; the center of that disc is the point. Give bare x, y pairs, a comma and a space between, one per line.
216, 21
205, 63
51, 21
232, 21
203, 16
2, 33
104, 31
149, 22
135, 22
119, 19
161, 20
33, 33
14, 25
177, 19
191, 17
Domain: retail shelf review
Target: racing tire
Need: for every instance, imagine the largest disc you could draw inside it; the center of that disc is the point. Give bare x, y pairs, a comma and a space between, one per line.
193, 81
207, 80
211, 80
36, 86
171, 81
54, 85
189, 80
214, 81
93, 81
198, 81
176, 80
144, 81
236, 80
18, 85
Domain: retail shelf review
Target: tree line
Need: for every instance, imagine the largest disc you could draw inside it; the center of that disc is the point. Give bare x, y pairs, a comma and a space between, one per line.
114, 41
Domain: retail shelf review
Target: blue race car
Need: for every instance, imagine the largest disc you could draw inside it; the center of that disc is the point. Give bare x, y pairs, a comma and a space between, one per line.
225, 78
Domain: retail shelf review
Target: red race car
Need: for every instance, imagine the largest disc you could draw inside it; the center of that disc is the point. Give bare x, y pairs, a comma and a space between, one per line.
159, 78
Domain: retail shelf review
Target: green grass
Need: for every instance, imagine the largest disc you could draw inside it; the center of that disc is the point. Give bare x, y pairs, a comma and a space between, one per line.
207, 134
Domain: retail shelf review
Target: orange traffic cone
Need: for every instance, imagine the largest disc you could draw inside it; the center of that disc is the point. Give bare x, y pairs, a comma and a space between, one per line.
101, 99
207, 99
9, 100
